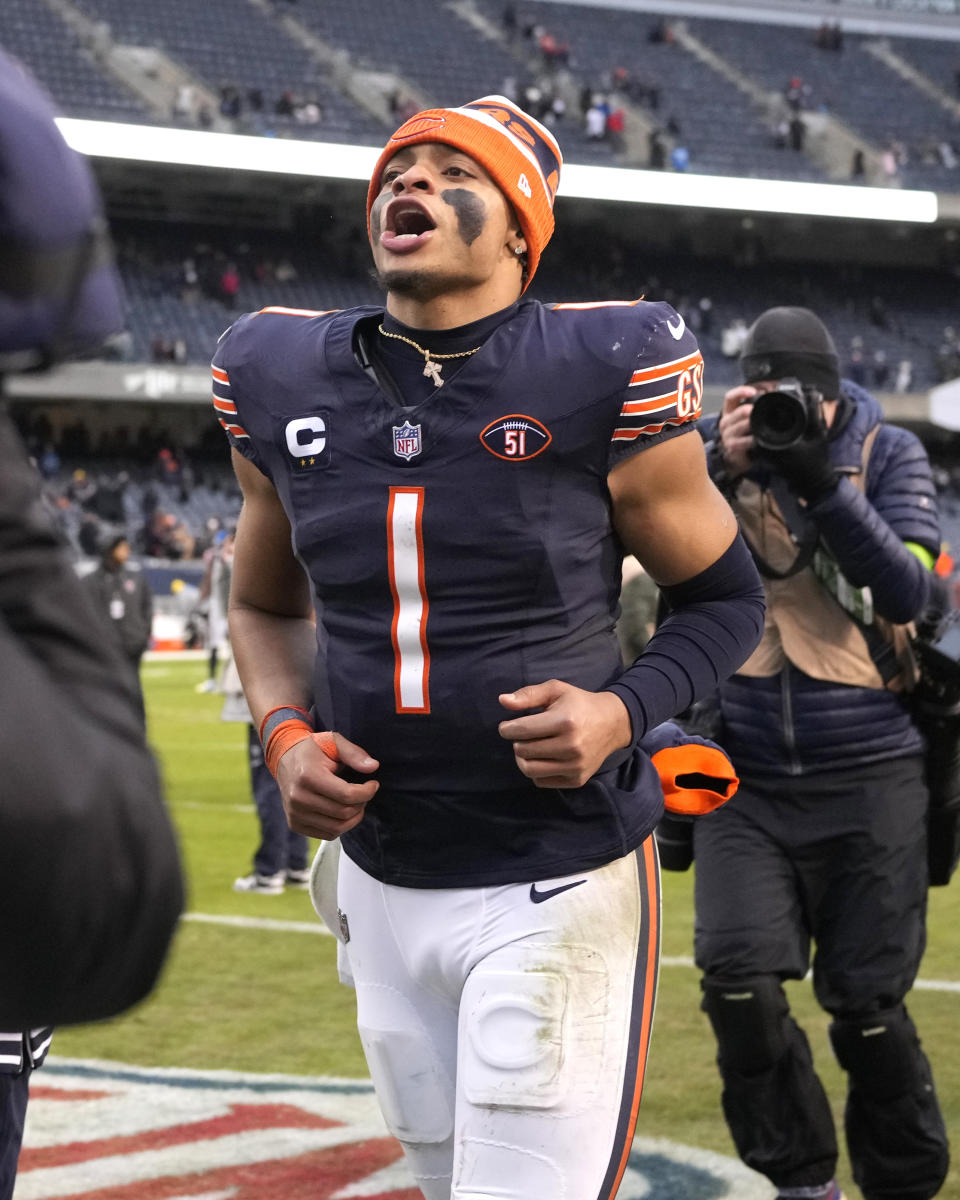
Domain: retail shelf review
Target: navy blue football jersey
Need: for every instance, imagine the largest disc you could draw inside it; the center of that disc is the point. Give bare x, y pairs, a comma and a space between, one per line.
462, 548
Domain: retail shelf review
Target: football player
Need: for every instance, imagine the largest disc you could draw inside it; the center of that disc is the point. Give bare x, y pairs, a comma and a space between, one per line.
449, 482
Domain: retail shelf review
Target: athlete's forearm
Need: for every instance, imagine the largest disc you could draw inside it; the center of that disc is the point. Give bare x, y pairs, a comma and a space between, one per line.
715, 622
275, 658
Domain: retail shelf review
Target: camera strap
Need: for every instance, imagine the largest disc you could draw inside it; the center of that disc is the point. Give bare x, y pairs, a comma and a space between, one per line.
856, 602
804, 532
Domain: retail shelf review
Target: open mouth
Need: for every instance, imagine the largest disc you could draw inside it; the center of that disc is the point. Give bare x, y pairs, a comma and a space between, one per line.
407, 225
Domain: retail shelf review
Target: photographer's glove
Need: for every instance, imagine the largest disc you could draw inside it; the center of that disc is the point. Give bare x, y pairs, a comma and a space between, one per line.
805, 466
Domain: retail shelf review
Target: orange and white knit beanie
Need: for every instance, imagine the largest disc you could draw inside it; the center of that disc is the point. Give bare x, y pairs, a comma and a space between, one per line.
519, 154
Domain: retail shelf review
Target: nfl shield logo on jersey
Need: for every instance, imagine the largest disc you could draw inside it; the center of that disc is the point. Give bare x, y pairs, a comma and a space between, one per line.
406, 440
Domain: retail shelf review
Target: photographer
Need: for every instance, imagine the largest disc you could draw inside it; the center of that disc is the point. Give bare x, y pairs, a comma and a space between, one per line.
825, 842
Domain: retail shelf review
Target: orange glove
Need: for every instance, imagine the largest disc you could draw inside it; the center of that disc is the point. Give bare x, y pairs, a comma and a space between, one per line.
696, 778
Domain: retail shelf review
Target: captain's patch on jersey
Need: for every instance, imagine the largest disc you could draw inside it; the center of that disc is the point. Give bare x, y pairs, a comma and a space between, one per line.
307, 441
516, 437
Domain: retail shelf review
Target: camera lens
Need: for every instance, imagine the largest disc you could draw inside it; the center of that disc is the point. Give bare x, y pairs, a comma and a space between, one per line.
778, 420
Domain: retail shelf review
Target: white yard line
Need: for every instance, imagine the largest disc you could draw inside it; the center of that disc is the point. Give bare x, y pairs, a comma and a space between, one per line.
271, 923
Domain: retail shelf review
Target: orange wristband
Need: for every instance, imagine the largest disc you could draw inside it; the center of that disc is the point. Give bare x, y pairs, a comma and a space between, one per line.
282, 738
285, 736
283, 712
695, 779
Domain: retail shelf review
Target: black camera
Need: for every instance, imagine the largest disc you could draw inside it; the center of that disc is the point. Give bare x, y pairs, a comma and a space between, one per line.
782, 418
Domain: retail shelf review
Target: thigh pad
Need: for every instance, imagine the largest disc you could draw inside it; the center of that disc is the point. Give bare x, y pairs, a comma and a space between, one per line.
533, 1037
414, 1093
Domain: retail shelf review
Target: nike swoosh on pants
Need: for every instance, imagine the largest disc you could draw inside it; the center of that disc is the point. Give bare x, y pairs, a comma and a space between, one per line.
539, 897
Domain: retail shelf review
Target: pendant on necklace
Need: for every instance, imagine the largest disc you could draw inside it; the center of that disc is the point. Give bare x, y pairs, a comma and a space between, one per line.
432, 370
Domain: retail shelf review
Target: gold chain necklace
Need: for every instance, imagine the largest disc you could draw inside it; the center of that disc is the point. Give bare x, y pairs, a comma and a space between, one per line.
432, 366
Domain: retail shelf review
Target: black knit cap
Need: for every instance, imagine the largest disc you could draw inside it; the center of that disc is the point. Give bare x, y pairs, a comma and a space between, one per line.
785, 343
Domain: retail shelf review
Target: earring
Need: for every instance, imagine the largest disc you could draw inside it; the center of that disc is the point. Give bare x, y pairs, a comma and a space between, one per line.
518, 251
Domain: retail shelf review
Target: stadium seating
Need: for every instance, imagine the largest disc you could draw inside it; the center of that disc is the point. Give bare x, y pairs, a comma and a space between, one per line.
67, 68
719, 126
851, 84
245, 44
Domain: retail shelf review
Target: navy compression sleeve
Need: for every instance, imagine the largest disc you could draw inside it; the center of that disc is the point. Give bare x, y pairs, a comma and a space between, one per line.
715, 621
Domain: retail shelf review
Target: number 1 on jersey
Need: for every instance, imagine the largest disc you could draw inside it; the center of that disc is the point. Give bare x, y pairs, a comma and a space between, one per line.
408, 631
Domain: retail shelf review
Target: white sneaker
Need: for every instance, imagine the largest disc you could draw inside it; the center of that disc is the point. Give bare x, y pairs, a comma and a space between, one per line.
208, 685
299, 879
266, 885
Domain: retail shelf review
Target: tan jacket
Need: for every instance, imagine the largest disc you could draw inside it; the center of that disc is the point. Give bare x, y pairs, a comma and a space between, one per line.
805, 624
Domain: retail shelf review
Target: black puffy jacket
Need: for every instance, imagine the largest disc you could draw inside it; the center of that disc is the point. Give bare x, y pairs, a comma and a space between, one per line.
791, 724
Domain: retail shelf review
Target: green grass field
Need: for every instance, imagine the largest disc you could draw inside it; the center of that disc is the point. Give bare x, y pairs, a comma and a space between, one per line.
261, 1000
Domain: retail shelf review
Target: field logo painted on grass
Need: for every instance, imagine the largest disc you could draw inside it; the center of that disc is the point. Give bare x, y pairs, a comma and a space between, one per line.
104, 1131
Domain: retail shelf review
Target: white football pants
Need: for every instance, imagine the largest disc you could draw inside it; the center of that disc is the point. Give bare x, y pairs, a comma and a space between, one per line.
506, 1028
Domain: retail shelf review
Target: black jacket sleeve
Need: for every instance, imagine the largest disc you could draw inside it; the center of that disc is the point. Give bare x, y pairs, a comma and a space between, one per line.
89, 867
867, 533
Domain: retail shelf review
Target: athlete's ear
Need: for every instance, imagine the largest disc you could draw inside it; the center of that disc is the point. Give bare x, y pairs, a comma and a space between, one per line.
520, 246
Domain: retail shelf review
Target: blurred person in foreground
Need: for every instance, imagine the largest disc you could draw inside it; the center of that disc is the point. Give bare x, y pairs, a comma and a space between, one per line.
450, 482
825, 842
89, 870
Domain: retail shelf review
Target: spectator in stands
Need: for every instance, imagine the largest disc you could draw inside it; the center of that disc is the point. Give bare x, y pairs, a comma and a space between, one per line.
704, 316
595, 123
798, 132
880, 369
904, 379
554, 51
285, 271
229, 285
161, 348
616, 129
889, 163
793, 93
308, 112
657, 150
230, 101
948, 356
89, 535
732, 338
48, 462
858, 164
509, 21
680, 158
185, 102
879, 316
829, 36
660, 32
856, 364
190, 281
